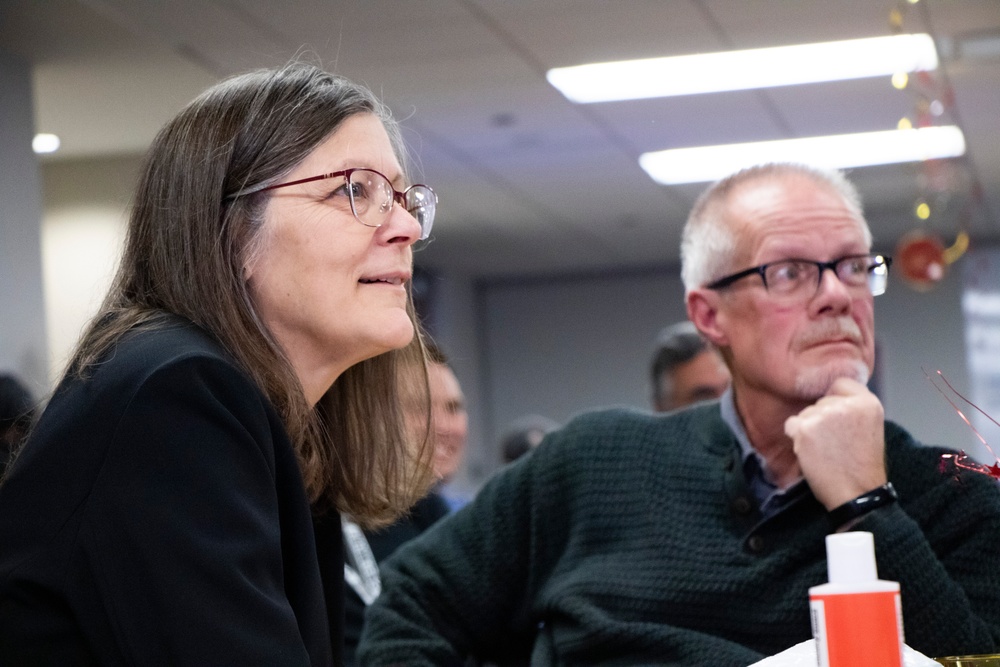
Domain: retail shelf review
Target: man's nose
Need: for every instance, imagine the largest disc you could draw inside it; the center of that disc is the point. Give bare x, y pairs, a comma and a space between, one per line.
831, 290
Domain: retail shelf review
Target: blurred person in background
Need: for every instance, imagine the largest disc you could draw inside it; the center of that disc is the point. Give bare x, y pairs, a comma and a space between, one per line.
365, 549
523, 435
17, 410
685, 369
449, 425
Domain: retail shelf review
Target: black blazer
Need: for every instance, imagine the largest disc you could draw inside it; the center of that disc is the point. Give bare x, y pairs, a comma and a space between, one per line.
157, 515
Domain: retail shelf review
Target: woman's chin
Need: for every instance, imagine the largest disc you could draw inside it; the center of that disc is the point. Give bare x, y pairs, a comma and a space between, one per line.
396, 335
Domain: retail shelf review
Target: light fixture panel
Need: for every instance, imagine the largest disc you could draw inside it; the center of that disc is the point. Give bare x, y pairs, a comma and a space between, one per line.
745, 69
842, 151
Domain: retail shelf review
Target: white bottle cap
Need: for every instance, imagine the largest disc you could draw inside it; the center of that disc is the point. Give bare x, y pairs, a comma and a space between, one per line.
850, 557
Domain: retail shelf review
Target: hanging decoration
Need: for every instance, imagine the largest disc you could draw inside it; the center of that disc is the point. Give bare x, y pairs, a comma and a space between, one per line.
947, 191
956, 463
920, 259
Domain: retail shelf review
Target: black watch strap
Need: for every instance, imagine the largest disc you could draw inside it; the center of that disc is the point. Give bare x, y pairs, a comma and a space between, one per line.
863, 504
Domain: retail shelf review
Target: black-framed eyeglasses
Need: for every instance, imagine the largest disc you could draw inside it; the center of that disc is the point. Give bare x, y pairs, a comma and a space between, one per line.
371, 197
800, 278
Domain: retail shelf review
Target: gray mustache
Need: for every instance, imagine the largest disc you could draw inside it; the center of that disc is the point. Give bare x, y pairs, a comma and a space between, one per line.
833, 330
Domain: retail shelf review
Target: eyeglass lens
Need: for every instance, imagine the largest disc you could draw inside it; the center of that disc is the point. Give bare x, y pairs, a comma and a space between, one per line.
798, 276
372, 197
421, 203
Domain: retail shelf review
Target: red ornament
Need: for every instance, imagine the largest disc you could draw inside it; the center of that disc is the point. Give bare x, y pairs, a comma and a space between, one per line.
920, 259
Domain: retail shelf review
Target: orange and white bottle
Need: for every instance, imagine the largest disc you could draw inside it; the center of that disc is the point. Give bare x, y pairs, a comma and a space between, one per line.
857, 619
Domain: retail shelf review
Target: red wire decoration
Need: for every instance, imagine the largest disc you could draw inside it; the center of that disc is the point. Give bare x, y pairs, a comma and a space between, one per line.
961, 461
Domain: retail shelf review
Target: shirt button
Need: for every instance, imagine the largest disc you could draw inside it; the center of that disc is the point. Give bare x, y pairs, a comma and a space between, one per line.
742, 505
755, 544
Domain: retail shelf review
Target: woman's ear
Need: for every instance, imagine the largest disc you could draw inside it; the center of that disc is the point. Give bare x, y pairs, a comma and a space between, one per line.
250, 265
703, 311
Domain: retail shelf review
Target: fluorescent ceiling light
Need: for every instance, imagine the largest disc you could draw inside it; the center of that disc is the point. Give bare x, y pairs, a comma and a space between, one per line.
842, 151
45, 143
744, 70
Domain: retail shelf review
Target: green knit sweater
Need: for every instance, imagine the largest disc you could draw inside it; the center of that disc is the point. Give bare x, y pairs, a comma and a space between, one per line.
632, 539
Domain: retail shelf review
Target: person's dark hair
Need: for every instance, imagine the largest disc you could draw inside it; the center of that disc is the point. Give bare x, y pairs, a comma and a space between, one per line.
17, 410
523, 435
677, 344
190, 237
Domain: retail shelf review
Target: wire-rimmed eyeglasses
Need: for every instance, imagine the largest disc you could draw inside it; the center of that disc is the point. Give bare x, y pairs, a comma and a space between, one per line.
800, 278
371, 197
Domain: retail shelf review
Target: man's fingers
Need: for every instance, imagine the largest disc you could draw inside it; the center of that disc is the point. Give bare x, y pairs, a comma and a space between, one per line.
792, 426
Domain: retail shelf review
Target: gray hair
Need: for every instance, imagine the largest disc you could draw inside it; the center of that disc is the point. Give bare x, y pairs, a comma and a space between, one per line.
708, 245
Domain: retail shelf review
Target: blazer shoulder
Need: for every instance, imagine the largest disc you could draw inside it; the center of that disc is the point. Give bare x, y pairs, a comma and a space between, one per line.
173, 340
155, 367
148, 351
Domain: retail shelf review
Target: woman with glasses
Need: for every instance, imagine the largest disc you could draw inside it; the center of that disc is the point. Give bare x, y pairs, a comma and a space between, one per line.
179, 500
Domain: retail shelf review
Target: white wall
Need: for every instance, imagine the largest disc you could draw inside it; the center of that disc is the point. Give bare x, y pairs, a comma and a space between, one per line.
918, 332
981, 307
85, 214
22, 324
558, 346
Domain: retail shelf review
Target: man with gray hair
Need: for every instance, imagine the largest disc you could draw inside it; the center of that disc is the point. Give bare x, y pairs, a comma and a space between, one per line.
692, 538
686, 368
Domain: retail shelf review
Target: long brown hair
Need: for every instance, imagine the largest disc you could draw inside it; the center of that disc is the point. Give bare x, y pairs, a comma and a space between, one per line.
189, 237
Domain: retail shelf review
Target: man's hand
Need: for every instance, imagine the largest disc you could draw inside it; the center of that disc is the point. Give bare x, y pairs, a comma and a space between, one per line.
840, 443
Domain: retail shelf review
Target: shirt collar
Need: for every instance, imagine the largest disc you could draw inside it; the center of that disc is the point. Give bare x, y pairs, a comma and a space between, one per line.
727, 405
769, 498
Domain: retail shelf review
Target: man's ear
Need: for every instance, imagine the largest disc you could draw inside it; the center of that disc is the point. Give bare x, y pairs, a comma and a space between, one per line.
703, 311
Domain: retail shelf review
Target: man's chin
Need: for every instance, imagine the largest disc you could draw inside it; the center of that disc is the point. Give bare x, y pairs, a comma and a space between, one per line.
813, 383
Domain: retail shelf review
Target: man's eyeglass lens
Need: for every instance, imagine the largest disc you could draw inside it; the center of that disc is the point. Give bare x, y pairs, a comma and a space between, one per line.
795, 278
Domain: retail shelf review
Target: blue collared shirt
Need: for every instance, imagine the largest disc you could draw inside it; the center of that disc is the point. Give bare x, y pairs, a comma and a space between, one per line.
770, 499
